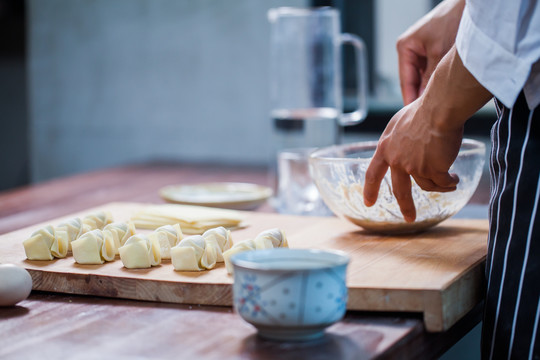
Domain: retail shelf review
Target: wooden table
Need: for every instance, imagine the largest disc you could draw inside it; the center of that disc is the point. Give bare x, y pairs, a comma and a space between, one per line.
48, 325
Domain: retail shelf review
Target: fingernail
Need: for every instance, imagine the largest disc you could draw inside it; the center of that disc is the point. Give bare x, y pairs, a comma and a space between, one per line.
409, 218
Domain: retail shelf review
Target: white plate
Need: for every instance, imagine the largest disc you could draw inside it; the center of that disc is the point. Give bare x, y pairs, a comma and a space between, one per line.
229, 195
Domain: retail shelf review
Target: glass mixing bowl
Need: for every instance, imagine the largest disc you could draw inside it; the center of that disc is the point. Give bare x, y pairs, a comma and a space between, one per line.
339, 173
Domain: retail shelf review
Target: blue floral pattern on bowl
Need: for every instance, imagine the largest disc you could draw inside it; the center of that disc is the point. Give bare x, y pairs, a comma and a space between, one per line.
281, 297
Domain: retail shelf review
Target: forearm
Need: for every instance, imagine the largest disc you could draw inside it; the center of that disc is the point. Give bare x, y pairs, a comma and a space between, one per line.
452, 95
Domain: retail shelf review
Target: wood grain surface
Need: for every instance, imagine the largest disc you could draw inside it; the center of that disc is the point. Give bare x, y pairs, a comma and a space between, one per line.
48, 326
437, 273
51, 325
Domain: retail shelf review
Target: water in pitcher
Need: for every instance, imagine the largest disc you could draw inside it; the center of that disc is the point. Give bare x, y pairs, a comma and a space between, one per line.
305, 128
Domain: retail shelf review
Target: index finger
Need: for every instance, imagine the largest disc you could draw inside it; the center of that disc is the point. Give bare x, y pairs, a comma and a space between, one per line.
375, 173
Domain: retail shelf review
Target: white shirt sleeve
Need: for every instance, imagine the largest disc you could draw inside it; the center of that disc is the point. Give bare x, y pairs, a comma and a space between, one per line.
499, 43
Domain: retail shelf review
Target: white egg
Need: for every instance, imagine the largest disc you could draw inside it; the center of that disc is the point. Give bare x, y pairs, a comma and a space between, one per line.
15, 284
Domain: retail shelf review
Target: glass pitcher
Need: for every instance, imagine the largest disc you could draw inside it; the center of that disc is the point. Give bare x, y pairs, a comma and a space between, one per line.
307, 92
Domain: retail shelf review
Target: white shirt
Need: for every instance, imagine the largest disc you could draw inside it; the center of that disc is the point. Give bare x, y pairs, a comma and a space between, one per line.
499, 43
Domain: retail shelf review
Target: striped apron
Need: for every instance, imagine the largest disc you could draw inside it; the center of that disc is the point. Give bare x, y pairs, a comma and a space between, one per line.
512, 308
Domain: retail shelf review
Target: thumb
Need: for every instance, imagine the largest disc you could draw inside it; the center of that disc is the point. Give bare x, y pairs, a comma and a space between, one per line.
446, 180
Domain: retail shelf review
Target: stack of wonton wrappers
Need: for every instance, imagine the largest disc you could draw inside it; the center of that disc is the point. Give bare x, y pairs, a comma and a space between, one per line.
192, 219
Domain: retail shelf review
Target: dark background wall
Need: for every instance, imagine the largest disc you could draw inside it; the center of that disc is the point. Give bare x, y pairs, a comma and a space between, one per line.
14, 162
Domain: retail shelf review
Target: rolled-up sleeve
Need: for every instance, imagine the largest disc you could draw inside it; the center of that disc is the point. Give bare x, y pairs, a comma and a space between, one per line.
497, 47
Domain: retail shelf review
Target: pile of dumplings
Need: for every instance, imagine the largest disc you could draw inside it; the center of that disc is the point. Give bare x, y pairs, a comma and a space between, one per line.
96, 239
52, 242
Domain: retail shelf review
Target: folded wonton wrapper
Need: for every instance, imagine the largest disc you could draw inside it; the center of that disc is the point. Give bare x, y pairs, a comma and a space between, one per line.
120, 232
192, 219
221, 240
167, 236
140, 252
245, 245
93, 247
194, 253
96, 220
38, 246
271, 238
73, 228
268, 239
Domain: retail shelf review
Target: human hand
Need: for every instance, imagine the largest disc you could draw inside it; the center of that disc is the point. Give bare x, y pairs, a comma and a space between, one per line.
410, 146
423, 139
424, 44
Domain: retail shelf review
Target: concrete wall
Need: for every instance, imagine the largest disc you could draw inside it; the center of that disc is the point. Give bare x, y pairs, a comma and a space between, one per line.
392, 18
115, 82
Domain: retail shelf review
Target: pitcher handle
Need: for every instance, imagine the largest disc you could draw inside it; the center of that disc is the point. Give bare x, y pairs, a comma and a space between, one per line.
358, 115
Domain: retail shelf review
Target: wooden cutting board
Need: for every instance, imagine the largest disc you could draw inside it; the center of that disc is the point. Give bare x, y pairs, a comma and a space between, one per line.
438, 273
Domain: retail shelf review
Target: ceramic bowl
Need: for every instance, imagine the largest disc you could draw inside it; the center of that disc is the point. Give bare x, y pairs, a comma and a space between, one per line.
339, 174
290, 294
